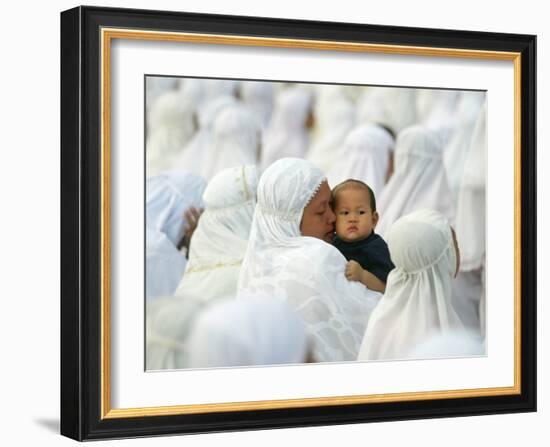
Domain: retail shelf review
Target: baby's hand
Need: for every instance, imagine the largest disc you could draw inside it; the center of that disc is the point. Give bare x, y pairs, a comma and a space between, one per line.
354, 271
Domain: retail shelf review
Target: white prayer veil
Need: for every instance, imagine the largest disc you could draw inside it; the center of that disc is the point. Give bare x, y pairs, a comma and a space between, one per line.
246, 332
365, 156
219, 242
419, 179
440, 116
306, 272
198, 154
335, 117
170, 126
417, 302
391, 107
164, 265
168, 196
236, 134
156, 86
287, 135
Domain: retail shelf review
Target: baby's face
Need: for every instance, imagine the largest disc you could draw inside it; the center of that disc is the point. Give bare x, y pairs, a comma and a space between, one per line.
354, 218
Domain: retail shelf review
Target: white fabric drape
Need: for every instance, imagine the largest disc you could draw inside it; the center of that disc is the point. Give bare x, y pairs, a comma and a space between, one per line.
219, 242
417, 302
306, 272
364, 156
168, 196
245, 332
164, 265
287, 135
419, 179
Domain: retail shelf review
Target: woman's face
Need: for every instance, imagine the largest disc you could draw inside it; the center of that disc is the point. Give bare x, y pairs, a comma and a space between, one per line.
318, 218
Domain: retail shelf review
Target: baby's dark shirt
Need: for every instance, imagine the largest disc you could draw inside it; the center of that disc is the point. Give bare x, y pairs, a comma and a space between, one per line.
371, 253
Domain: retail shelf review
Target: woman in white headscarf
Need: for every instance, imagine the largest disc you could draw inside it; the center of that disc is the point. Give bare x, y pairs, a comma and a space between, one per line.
287, 134
419, 179
288, 256
246, 332
168, 197
170, 126
364, 156
469, 290
437, 112
335, 117
220, 239
417, 302
196, 155
236, 139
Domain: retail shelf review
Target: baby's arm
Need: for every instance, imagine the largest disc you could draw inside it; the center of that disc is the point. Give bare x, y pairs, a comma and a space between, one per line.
354, 272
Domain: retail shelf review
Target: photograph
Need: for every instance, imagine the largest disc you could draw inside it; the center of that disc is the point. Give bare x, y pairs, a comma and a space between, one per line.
293, 222
274, 223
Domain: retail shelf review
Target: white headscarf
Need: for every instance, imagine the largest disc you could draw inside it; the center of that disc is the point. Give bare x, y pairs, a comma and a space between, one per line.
246, 332
235, 140
419, 179
417, 302
164, 265
203, 91
335, 117
157, 85
168, 196
365, 156
219, 242
287, 135
196, 156
392, 107
305, 271
170, 126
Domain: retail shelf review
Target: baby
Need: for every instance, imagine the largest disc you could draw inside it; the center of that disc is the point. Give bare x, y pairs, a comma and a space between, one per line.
356, 216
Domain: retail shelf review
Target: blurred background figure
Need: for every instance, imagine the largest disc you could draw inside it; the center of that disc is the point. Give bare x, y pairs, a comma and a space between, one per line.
168, 197
334, 117
259, 97
246, 332
419, 179
171, 124
364, 155
469, 291
288, 131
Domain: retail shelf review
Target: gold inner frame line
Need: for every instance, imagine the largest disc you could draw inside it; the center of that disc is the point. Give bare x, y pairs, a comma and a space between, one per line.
107, 34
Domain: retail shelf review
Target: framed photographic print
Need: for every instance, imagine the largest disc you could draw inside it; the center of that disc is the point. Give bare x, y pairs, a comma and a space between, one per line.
276, 223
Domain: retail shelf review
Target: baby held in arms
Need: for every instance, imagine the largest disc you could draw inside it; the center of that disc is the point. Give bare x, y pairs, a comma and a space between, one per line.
367, 253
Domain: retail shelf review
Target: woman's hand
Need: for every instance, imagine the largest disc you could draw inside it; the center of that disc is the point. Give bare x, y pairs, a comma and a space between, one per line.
354, 271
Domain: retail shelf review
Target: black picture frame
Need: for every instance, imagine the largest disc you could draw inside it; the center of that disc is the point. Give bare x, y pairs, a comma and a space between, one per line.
82, 392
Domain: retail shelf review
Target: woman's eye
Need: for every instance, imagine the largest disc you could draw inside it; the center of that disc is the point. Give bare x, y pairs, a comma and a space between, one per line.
361, 212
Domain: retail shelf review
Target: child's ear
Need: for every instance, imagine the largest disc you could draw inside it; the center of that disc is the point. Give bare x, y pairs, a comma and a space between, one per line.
374, 219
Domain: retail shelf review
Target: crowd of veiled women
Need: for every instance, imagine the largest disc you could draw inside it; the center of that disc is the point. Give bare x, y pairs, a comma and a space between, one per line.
239, 270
